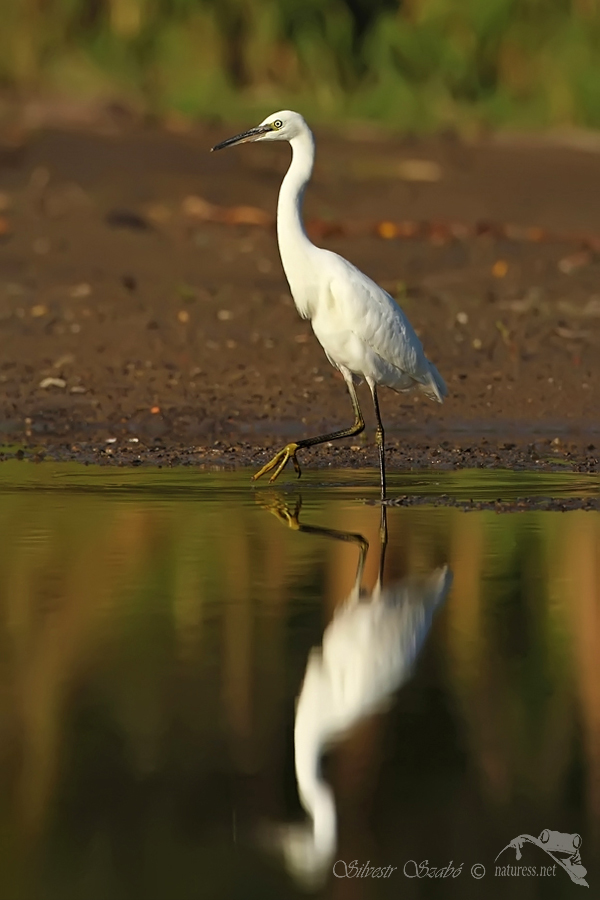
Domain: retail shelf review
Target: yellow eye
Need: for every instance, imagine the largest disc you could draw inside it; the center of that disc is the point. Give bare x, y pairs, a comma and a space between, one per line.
277, 123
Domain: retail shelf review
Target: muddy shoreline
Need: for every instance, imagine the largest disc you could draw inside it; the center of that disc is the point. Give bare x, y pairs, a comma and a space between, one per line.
539, 456
145, 318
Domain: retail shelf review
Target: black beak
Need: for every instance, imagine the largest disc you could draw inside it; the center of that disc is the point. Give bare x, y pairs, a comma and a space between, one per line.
244, 137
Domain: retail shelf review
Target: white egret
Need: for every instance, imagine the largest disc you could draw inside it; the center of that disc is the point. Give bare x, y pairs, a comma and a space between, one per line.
362, 330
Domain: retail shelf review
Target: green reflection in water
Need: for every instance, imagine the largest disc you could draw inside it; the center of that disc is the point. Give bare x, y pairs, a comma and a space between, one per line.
461, 483
155, 630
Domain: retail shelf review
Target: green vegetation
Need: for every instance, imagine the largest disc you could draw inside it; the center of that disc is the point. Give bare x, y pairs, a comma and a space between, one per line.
408, 63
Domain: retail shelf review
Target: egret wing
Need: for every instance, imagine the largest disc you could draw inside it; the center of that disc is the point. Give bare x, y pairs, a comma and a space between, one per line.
377, 320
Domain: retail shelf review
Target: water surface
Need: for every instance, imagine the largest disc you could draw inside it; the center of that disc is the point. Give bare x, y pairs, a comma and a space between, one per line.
166, 637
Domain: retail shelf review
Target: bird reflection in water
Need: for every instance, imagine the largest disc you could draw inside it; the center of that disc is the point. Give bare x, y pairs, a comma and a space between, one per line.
367, 652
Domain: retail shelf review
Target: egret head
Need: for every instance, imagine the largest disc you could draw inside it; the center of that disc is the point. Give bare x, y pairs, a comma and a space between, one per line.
279, 126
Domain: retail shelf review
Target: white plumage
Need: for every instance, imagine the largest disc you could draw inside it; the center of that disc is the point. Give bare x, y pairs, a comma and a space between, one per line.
365, 332
361, 328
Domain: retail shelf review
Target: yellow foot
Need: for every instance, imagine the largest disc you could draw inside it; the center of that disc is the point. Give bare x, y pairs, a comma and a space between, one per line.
278, 462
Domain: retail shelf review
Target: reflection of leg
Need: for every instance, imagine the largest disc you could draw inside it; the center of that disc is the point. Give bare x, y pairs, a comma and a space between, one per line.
383, 536
348, 536
380, 439
276, 504
289, 451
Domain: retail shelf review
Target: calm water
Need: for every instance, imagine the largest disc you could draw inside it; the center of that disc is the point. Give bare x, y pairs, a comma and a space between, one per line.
207, 690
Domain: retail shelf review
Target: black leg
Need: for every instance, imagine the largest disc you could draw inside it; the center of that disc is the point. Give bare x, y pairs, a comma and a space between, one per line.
356, 428
380, 439
289, 451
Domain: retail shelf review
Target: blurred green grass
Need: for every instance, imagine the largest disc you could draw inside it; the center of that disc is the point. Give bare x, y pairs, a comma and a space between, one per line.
416, 64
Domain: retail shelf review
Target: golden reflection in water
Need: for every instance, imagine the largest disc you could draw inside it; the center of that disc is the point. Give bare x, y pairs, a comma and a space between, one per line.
580, 577
514, 680
185, 611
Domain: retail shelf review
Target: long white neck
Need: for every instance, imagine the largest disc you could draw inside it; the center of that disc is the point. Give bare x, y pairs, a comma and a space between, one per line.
293, 242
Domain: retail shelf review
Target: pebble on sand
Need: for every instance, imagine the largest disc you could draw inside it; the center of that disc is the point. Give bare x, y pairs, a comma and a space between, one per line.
52, 382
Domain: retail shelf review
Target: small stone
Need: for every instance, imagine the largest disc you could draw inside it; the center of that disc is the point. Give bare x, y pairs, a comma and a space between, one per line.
197, 207
183, 316
224, 315
462, 318
500, 268
52, 382
79, 291
387, 230
38, 310
574, 261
